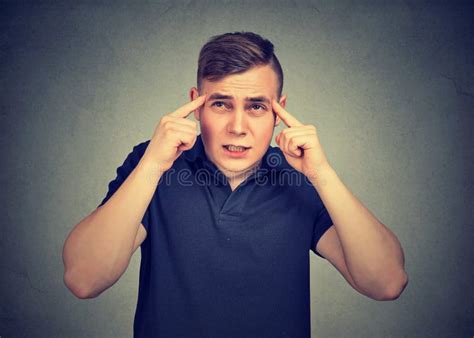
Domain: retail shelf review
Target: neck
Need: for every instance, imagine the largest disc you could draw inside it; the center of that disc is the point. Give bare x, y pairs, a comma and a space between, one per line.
235, 178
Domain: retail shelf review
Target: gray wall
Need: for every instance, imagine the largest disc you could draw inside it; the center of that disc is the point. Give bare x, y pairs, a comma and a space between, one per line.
389, 86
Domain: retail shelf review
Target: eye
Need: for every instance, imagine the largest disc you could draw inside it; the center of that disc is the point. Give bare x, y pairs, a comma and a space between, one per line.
258, 109
257, 105
218, 104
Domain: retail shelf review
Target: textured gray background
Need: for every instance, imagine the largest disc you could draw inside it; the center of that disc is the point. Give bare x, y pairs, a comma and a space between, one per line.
388, 85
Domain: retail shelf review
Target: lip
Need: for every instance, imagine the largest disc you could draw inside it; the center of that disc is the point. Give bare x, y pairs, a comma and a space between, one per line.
234, 154
237, 145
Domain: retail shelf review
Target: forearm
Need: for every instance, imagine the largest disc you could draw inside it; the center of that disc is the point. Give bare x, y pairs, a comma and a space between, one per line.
373, 254
98, 249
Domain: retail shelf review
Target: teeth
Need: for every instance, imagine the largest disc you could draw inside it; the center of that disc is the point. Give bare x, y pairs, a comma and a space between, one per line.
234, 148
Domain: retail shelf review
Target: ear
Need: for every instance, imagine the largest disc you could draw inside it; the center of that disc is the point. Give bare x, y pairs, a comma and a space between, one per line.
282, 103
193, 94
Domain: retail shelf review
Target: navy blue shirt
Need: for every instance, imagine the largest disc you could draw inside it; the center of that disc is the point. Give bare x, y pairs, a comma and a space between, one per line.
223, 263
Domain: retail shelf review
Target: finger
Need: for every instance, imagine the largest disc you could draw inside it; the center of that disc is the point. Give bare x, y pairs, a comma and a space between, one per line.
297, 144
294, 137
297, 152
286, 117
188, 144
185, 110
187, 141
183, 122
286, 134
184, 138
293, 144
289, 132
176, 128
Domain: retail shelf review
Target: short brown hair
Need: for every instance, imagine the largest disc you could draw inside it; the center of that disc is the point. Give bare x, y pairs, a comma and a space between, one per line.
233, 53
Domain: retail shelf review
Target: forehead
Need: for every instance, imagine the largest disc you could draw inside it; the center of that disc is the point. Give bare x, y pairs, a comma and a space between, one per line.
257, 81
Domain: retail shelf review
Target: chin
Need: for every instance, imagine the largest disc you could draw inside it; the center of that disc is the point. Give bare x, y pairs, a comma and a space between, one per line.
245, 166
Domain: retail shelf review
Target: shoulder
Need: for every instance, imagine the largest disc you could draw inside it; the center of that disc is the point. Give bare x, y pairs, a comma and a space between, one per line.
275, 160
141, 147
276, 164
137, 152
294, 182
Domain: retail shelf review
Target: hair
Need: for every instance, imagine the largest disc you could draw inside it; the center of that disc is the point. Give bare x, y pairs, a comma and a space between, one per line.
233, 53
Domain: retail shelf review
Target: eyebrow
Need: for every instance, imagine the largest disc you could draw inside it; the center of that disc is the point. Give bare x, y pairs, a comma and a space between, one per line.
219, 96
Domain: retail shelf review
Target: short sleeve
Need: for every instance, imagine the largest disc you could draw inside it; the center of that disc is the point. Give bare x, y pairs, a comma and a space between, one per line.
322, 222
133, 158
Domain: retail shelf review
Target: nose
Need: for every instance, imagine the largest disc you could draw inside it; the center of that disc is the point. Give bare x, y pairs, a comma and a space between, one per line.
237, 123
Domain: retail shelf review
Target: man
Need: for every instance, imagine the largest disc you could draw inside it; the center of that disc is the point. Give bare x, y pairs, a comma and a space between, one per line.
225, 222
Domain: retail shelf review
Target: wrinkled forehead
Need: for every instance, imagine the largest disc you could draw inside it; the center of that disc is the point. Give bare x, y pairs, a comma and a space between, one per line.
252, 83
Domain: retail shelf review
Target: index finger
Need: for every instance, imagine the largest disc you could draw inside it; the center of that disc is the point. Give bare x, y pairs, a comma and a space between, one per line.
286, 117
185, 110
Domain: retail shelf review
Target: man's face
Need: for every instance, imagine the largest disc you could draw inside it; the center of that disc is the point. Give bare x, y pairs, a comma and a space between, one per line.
238, 112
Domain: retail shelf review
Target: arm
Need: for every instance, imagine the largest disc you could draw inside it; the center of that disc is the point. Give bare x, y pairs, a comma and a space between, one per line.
360, 246
98, 249
367, 253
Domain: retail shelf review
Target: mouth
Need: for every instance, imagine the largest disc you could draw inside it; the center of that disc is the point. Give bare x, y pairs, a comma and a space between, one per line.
235, 148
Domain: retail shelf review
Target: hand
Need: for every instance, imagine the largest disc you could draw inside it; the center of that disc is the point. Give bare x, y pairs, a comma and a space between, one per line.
173, 135
300, 144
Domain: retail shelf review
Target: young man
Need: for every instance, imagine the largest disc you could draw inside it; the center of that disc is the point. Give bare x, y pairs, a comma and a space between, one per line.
225, 222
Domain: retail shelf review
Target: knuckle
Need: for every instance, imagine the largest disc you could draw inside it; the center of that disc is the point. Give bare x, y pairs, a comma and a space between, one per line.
167, 126
192, 124
164, 120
